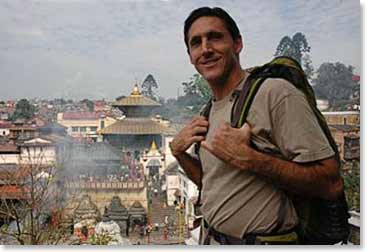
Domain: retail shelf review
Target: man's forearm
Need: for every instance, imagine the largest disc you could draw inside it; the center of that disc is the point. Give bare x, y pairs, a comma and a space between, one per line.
191, 166
320, 179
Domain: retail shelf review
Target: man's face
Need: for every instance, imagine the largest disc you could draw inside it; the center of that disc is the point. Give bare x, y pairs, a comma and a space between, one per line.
211, 48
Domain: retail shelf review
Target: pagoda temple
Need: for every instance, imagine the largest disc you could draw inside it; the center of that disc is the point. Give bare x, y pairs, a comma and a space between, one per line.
138, 129
86, 216
118, 212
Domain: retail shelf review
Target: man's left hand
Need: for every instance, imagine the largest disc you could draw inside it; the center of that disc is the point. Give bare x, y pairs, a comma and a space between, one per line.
232, 145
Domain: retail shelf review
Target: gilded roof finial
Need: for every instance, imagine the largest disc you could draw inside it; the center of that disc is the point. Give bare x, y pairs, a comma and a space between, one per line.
153, 147
136, 90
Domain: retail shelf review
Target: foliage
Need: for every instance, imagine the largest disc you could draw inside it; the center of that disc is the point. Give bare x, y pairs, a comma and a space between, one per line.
23, 110
307, 67
197, 93
89, 104
334, 82
147, 87
294, 47
352, 187
100, 239
29, 212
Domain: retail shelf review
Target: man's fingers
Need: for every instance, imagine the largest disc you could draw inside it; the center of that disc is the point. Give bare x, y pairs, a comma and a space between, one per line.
198, 118
200, 130
201, 123
197, 139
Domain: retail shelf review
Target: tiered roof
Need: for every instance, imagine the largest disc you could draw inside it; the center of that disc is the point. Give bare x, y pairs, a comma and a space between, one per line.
137, 126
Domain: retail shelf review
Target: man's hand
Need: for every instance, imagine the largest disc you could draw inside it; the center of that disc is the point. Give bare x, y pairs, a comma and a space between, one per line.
231, 145
193, 132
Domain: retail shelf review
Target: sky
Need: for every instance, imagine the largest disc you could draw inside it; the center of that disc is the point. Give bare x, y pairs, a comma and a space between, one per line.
99, 49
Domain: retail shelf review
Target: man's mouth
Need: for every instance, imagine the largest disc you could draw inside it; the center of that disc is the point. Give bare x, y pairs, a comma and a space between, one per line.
209, 62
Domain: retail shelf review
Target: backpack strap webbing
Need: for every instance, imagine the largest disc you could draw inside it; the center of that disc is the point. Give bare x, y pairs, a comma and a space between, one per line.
204, 112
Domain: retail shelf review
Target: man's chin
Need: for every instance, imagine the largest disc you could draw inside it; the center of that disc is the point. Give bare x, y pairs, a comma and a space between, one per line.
212, 78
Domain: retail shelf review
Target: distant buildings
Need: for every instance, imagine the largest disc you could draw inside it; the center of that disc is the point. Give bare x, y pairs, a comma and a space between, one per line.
84, 125
342, 117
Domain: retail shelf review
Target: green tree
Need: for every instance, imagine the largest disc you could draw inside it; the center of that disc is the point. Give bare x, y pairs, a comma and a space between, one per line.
294, 47
352, 187
89, 104
334, 82
203, 87
23, 110
197, 93
148, 85
308, 67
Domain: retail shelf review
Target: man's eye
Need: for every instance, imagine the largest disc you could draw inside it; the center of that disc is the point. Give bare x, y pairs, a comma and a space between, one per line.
194, 42
215, 36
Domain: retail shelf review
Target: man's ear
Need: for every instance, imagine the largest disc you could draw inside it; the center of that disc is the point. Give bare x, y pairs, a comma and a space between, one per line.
238, 45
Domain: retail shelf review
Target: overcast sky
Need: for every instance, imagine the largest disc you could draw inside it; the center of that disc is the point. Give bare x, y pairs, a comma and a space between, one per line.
99, 49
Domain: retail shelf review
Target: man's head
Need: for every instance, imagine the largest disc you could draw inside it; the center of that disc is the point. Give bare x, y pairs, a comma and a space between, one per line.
211, 12
213, 43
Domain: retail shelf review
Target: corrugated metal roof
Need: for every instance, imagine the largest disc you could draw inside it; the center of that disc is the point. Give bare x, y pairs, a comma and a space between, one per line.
137, 126
340, 113
81, 115
9, 149
136, 100
344, 127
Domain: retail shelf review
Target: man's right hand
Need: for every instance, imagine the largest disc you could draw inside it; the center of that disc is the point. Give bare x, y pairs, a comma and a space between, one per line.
195, 131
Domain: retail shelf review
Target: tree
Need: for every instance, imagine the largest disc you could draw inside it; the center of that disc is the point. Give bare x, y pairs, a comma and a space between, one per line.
307, 67
89, 104
352, 187
334, 82
294, 47
30, 209
197, 93
23, 110
147, 87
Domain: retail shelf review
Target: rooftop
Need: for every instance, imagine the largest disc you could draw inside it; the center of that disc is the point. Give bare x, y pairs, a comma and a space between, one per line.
341, 113
344, 127
137, 126
81, 115
8, 148
135, 99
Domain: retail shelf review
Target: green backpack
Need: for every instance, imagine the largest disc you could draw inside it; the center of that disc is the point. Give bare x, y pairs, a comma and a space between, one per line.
322, 222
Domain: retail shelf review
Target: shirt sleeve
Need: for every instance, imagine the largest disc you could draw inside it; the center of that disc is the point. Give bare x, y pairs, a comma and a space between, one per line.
297, 132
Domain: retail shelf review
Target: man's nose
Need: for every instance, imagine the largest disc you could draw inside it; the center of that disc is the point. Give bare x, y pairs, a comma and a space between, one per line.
206, 46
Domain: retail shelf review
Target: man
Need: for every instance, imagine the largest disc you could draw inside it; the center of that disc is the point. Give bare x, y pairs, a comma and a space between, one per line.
242, 186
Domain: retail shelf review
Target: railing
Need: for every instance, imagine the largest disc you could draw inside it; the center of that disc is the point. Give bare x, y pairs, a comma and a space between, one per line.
107, 185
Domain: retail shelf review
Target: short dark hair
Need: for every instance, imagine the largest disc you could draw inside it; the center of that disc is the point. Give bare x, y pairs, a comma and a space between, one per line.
211, 12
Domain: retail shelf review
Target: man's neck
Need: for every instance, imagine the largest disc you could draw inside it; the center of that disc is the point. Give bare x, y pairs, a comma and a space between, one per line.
221, 90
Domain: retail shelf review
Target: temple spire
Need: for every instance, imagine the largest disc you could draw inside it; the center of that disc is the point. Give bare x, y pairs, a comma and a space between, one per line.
153, 147
136, 91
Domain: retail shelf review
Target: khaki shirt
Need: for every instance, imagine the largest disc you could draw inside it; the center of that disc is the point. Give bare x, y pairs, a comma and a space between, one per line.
236, 202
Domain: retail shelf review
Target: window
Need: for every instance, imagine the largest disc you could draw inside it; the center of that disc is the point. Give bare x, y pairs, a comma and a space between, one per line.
83, 129
93, 129
102, 124
74, 129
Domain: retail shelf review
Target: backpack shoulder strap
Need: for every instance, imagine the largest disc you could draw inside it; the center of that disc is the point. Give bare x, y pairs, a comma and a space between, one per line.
205, 111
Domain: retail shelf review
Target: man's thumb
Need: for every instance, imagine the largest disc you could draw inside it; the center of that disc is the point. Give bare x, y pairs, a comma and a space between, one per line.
246, 127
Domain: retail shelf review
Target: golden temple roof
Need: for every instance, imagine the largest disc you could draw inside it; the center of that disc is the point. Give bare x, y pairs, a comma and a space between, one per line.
136, 99
153, 147
137, 126
136, 91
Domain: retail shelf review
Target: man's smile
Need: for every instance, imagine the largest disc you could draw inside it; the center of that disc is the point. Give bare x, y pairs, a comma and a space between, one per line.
210, 62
